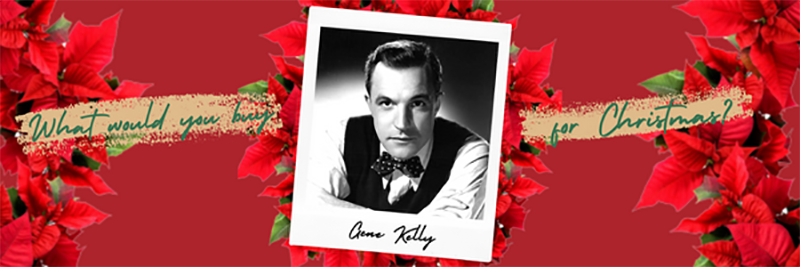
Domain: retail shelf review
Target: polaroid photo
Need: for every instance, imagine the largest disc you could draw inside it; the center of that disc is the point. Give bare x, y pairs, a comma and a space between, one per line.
400, 133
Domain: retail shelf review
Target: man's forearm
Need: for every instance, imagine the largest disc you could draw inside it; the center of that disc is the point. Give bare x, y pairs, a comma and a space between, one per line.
326, 198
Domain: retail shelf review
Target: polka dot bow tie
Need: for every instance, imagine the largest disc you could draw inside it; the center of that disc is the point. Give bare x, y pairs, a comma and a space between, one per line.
386, 164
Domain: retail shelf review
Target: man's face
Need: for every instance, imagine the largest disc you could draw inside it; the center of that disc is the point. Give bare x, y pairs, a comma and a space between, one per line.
403, 109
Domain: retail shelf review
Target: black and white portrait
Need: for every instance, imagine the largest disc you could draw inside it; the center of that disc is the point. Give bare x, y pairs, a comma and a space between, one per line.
397, 129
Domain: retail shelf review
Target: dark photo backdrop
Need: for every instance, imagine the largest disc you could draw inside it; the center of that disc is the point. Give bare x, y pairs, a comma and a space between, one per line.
468, 67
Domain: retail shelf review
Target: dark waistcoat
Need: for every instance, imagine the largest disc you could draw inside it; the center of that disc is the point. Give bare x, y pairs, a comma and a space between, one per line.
362, 149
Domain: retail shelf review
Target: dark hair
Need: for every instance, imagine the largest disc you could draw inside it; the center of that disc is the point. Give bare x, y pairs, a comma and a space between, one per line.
406, 54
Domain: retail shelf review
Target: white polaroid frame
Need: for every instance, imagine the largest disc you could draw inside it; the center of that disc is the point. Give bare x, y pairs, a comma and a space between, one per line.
330, 227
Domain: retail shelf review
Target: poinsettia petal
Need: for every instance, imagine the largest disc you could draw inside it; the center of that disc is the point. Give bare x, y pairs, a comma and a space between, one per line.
512, 124
794, 260
715, 216
523, 159
528, 91
720, 60
65, 253
283, 189
722, 253
790, 10
781, 32
777, 64
340, 257
513, 22
39, 12
44, 55
12, 35
290, 112
13, 158
774, 192
290, 72
734, 132
748, 36
753, 210
377, 259
513, 217
297, 254
762, 244
259, 161
128, 89
39, 87
82, 81
534, 65
10, 63
525, 187
16, 242
291, 37
32, 191
6, 210
695, 84
92, 46
411, 6
734, 175
721, 17
275, 88
9, 9
689, 151
77, 215
481, 15
45, 241
84, 177
670, 183
752, 10
19, 82
286, 209
94, 148
773, 147
8, 108
503, 202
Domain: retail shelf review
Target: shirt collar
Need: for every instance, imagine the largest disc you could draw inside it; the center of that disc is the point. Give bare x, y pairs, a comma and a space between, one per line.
424, 157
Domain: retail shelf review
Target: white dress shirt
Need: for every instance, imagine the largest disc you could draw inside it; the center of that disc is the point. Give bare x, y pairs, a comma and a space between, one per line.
467, 181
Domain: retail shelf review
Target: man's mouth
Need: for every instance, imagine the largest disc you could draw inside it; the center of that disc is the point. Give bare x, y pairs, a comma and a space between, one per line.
402, 138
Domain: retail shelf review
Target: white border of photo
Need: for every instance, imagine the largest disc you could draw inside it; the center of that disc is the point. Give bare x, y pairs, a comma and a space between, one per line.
330, 227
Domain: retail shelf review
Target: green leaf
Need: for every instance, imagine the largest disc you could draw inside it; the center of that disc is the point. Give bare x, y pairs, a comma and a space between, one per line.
280, 228
284, 200
79, 159
664, 84
514, 49
312, 254
732, 38
116, 144
703, 262
525, 147
59, 31
287, 84
283, 166
659, 141
721, 234
703, 193
113, 83
508, 166
302, 58
487, 5
257, 88
16, 203
712, 75
55, 187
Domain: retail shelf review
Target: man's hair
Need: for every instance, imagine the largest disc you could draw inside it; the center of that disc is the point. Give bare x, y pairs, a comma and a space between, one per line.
406, 54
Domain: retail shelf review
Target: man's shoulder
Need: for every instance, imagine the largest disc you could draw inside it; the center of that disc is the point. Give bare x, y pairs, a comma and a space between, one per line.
448, 130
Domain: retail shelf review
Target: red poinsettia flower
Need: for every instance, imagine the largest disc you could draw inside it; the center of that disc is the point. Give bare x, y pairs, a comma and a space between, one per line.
260, 158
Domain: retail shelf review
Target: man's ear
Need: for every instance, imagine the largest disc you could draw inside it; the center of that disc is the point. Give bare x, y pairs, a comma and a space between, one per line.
437, 103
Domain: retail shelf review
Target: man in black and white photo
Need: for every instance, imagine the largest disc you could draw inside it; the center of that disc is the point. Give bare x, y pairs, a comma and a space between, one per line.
401, 157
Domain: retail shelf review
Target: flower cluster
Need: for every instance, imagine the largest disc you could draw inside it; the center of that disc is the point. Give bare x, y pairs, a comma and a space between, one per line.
275, 150
49, 66
752, 220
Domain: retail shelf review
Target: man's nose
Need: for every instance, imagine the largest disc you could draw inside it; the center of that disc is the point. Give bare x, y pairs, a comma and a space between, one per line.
404, 119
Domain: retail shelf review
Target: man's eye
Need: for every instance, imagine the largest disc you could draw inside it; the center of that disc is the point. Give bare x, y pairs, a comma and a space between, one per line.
384, 103
418, 104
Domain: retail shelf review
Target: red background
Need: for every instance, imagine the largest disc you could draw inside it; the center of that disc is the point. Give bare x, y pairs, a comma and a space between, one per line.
181, 204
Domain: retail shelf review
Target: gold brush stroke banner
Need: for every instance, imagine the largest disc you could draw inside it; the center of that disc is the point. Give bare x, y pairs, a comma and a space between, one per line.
635, 116
165, 119
169, 119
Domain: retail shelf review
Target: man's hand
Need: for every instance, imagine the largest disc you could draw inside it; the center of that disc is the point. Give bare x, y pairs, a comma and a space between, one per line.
446, 205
